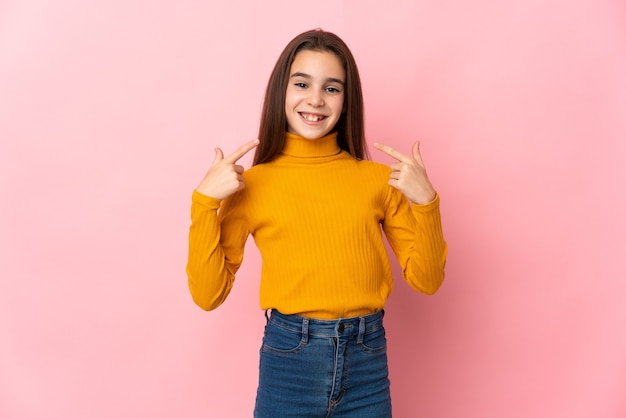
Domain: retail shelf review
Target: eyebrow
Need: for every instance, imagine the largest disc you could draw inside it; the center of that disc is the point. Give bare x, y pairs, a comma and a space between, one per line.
329, 79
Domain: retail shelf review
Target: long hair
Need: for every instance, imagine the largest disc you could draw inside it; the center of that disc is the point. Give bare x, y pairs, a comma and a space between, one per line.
350, 127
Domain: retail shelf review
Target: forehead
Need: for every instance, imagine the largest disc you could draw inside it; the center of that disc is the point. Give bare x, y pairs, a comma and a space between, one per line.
322, 64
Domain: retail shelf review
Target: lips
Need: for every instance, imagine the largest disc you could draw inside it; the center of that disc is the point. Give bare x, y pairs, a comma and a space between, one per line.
312, 117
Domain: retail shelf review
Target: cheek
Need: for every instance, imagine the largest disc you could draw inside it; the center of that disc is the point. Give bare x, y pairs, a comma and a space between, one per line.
291, 100
339, 105
287, 96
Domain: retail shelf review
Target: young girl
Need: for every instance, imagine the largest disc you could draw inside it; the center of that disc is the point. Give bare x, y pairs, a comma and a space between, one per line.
315, 208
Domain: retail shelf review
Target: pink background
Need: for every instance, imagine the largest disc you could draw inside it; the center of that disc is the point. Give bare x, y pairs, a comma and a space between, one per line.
109, 113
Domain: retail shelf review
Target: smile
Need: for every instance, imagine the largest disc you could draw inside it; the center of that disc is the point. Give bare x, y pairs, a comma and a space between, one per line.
312, 117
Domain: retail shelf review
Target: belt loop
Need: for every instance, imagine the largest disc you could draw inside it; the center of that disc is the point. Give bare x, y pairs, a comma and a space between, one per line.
305, 330
267, 318
361, 330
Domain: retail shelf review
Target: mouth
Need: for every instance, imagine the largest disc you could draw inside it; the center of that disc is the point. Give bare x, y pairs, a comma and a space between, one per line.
312, 117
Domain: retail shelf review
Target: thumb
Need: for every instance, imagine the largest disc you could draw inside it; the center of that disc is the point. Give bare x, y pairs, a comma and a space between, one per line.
416, 151
219, 156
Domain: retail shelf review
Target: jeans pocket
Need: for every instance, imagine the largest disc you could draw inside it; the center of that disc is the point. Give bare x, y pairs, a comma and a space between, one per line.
374, 342
281, 341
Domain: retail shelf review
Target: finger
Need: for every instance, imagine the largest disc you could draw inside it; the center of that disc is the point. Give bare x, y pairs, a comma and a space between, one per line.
392, 152
393, 183
239, 169
417, 154
416, 151
219, 156
241, 151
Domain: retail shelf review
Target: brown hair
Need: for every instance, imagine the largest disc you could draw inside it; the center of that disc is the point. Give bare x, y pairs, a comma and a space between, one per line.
350, 127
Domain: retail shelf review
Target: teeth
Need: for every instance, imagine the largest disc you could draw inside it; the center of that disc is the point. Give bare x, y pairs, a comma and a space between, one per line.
312, 118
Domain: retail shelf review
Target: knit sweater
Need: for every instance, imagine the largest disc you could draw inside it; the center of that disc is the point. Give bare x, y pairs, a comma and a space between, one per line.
317, 215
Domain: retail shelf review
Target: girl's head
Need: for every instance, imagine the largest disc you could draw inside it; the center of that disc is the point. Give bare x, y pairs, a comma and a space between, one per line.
326, 71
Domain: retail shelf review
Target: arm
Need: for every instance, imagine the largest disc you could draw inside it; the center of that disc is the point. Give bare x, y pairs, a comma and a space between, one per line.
211, 265
416, 237
415, 234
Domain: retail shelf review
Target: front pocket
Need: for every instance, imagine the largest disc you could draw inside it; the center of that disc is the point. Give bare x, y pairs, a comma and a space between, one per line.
374, 342
281, 341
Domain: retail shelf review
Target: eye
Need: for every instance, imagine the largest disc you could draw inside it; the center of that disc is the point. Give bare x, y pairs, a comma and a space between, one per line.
333, 90
300, 84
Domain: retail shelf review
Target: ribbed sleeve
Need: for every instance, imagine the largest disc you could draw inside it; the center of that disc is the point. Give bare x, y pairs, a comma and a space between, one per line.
419, 246
210, 272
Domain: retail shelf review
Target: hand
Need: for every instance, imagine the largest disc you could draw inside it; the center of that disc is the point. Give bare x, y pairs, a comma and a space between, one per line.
409, 174
225, 177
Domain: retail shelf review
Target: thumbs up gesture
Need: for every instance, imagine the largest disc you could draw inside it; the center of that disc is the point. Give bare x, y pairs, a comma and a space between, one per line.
225, 177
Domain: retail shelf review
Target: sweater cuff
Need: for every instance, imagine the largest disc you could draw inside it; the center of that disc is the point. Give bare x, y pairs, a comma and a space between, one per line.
428, 207
204, 200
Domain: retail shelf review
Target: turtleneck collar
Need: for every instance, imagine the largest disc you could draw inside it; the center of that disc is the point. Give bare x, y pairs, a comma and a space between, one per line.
297, 146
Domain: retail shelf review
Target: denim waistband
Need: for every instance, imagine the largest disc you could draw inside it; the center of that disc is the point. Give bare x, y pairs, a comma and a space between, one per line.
342, 327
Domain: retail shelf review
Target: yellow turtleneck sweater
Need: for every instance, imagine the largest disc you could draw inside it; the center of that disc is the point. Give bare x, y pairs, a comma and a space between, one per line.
315, 213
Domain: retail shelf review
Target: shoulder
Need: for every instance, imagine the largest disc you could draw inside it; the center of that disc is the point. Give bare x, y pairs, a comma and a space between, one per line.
373, 165
373, 168
259, 171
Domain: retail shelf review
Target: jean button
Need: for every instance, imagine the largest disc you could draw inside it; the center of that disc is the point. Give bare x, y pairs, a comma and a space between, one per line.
341, 327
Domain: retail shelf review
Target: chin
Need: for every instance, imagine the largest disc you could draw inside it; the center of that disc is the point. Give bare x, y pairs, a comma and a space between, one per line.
311, 134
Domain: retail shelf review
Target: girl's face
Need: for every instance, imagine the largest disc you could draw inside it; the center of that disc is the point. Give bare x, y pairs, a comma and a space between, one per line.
315, 94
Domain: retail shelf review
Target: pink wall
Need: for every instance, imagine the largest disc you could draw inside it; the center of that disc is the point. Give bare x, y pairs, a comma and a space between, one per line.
109, 112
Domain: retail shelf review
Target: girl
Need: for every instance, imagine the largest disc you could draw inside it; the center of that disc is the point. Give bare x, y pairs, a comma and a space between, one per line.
315, 208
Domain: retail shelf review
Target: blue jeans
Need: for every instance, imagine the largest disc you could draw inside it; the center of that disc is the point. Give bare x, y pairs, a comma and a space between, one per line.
320, 369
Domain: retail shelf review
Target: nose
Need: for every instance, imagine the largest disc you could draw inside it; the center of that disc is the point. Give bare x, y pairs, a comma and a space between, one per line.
315, 99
